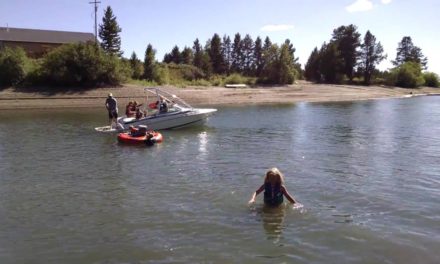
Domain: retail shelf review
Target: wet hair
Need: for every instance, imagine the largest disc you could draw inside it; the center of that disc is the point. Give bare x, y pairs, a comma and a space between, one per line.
274, 176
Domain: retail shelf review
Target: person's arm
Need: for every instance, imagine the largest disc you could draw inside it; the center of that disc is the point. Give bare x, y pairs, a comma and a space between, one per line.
252, 200
287, 194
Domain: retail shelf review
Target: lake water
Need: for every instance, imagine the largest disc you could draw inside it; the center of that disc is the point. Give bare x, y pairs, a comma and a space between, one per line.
367, 173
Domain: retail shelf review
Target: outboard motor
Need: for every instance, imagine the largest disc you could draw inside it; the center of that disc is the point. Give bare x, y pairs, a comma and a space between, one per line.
150, 141
142, 129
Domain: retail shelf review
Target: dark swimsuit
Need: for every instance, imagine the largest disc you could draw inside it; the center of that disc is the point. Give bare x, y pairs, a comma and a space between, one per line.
273, 195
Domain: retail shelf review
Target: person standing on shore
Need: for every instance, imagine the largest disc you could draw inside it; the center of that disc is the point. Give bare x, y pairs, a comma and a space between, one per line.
112, 107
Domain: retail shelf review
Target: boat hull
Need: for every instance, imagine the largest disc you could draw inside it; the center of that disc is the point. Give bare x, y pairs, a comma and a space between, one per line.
169, 112
169, 120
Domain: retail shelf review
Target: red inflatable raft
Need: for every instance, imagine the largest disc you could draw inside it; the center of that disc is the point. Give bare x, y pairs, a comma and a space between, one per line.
150, 138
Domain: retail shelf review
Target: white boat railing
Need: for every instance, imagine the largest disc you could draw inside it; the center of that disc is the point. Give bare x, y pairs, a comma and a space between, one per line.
168, 96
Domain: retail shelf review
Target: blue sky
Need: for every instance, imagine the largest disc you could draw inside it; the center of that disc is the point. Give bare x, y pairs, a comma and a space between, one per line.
307, 23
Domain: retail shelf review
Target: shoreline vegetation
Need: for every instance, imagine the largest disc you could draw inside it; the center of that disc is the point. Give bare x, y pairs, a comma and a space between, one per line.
342, 69
15, 98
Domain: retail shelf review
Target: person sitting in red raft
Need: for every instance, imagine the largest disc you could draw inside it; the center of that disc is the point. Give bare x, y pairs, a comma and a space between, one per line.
140, 131
140, 135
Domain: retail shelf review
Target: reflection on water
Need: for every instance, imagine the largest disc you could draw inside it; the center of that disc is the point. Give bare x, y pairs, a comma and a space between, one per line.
273, 218
367, 172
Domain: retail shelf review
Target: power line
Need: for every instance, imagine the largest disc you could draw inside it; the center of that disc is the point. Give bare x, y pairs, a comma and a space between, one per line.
96, 22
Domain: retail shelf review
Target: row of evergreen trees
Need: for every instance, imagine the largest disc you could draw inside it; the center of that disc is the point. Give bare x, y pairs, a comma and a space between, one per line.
267, 62
343, 58
346, 57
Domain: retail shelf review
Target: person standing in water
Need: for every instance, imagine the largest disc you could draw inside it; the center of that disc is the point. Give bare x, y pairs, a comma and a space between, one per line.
112, 107
274, 189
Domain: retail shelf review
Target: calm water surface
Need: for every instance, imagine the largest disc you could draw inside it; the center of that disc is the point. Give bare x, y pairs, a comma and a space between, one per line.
366, 172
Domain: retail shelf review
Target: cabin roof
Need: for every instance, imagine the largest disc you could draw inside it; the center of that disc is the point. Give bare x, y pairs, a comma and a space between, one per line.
43, 36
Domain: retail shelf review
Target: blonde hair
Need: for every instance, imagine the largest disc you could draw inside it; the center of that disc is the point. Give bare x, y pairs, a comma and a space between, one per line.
274, 176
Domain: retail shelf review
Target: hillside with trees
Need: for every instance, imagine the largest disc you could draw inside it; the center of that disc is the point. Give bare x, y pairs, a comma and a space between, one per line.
243, 60
346, 58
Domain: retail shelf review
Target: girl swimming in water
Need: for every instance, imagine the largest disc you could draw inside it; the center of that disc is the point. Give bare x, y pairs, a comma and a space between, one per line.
274, 189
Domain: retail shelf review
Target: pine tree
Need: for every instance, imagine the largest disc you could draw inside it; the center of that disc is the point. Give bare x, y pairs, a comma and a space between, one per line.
227, 53
198, 54
291, 49
258, 57
371, 55
136, 66
295, 63
330, 63
149, 63
267, 44
176, 57
266, 47
312, 72
215, 53
270, 57
167, 58
206, 64
286, 70
236, 54
201, 58
187, 56
347, 41
406, 51
247, 59
109, 33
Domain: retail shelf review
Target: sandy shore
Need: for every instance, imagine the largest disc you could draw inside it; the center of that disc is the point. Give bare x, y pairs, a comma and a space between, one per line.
207, 96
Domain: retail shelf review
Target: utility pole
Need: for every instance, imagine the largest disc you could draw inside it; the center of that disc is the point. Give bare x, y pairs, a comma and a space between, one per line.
96, 23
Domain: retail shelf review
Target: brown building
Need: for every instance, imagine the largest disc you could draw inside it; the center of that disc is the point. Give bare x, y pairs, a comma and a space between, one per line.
37, 42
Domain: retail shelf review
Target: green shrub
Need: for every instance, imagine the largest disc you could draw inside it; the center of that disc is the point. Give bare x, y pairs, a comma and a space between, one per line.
235, 78
407, 75
191, 73
201, 82
278, 73
114, 71
142, 82
217, 80
83, 64
34, 76
183, 72
177, 74
161, 74
431, 79
13, 66
390, 77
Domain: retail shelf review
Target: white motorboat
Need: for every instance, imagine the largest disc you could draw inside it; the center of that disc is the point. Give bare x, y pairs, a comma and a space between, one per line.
167, 112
